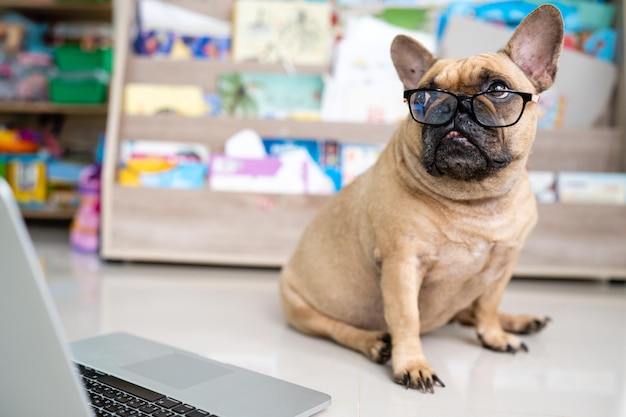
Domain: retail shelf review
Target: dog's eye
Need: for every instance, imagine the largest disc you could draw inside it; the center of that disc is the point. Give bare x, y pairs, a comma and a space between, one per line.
498, 90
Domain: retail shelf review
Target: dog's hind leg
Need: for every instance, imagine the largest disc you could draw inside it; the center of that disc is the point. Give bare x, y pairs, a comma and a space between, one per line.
511, 323
375, 345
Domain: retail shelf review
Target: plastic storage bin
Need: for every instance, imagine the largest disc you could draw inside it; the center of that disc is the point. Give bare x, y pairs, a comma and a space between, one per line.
79, 88
73, 58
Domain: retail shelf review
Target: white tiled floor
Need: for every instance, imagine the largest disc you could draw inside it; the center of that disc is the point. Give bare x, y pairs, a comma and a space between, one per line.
576, 367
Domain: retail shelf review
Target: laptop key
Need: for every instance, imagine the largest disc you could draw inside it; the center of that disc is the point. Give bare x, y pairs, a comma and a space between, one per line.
131, 388
123, 398
183, 409
136, 403
199, 413
111, 407
168, 402
110, 393
164, 413
102, 413
149, 409
127, 413
98, 402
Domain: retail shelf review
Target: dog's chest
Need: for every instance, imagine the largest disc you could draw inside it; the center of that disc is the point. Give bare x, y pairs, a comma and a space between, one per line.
458, 262
460, 273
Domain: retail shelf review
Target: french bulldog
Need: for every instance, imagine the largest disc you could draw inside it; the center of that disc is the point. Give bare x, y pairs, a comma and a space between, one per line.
432, 231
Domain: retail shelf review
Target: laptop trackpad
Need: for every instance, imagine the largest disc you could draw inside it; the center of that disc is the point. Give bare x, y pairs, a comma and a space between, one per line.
177, 370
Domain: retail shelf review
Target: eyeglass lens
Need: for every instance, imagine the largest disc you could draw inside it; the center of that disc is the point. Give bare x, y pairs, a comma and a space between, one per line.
493, 109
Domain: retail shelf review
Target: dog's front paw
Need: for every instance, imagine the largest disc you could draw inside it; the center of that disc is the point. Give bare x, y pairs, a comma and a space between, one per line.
502, 342
418, 375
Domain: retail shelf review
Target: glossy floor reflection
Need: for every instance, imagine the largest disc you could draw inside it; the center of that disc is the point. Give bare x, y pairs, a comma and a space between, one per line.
576, 367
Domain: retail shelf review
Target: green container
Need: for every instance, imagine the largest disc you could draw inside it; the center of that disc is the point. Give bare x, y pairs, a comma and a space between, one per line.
79, 91
73, 58
3, 167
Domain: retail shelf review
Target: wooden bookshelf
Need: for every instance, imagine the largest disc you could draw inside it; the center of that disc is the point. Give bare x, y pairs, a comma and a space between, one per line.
209, 227
78, 116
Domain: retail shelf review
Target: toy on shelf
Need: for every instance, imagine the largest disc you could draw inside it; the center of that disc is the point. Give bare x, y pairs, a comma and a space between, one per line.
85, 227
12, 36
14, 142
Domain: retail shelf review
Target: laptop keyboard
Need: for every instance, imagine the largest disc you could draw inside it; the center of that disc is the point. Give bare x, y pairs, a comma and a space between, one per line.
114, 397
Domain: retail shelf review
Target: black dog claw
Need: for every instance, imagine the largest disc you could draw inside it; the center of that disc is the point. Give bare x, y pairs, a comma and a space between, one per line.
407, 380
438, 381
429, 386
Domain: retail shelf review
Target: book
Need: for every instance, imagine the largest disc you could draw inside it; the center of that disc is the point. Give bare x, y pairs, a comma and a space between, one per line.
153, 99
356, 159
324, 159
591, 188
271, 95
298, 32
170, 31
155, 164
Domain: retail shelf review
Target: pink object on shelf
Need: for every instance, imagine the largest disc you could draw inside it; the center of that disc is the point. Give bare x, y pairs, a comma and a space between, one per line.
85, 228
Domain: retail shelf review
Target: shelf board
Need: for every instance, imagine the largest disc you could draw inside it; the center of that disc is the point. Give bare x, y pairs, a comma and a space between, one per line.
201, 72
51, 108
48, 214
216, 130
61, 9
61, 5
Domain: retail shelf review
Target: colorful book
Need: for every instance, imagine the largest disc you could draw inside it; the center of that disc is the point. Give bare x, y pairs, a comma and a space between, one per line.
324, 155
298, 32
271, 95
356, 159
156, 164
153, 99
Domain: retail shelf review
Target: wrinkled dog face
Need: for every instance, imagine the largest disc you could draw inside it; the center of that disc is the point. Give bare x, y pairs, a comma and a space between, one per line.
463, 149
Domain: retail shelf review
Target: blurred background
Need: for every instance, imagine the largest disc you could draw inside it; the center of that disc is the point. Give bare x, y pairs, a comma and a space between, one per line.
210, 132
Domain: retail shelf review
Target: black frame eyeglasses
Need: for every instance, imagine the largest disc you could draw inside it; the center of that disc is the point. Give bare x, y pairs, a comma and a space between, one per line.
491, 108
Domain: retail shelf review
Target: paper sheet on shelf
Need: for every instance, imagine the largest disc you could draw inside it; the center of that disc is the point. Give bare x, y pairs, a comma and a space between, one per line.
159, 15
365, 86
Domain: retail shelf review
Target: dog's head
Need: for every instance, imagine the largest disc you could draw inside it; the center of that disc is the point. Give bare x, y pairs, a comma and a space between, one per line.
470, 124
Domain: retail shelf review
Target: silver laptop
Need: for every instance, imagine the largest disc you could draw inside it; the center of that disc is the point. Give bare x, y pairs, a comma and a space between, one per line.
120, 374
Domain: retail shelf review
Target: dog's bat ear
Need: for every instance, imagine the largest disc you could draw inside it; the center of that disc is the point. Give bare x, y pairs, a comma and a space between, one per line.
536, 45
411, 60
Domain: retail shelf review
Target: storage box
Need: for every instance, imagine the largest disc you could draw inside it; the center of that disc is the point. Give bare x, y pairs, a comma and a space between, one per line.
74, 58
3, 166
27, 177
83, 89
